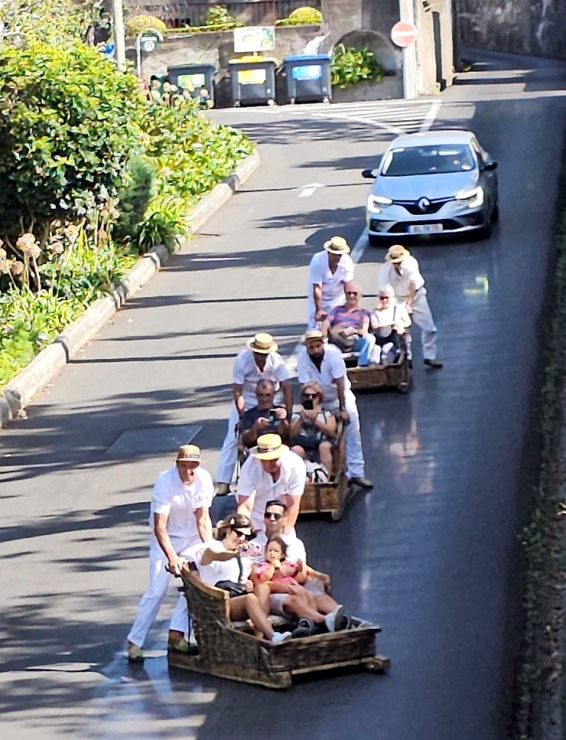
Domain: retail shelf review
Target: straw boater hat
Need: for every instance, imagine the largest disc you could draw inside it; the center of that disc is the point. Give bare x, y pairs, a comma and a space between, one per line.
188, 453
262, 343
269, 447
337, 245
314, 335
397, 253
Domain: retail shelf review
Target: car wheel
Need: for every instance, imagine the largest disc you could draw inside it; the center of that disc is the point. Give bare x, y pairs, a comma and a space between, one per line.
375, 241
494, 218
485, 231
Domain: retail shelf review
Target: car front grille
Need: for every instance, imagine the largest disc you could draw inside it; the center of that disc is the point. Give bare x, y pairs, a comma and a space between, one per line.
417, 210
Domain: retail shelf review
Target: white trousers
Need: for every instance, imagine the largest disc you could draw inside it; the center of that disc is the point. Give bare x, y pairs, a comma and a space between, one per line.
229, 451
422, 317
159, 580
355, 465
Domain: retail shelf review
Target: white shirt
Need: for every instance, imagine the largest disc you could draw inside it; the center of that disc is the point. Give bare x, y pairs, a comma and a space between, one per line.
390, 316
332, 284
178, 501
217, 570
254, 481
247, 374
295, 547
331, 368
410, 273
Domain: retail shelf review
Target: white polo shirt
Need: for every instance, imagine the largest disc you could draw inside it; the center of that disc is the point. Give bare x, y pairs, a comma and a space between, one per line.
254, 481
390, 316
295, 547
331, 368
410, 273
172, 497
247, 374
332, 284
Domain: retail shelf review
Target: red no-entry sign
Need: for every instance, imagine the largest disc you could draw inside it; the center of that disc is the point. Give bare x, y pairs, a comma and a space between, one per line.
403, 34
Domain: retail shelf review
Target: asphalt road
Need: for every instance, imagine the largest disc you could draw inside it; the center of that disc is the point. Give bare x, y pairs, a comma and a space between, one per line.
432, 554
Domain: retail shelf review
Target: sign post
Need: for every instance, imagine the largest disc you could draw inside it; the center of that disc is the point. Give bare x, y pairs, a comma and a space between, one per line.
147, 41
404, 34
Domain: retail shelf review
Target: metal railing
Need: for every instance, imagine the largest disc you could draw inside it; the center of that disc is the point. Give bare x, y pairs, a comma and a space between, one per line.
181, 13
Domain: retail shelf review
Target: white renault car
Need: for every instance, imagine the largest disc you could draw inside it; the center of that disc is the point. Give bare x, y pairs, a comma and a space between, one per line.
439, 182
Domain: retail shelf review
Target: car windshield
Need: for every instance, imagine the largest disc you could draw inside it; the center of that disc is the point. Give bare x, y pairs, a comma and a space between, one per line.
428, 160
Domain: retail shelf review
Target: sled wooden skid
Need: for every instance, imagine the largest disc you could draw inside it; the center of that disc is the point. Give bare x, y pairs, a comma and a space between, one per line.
227, 652
327, 498
395, 375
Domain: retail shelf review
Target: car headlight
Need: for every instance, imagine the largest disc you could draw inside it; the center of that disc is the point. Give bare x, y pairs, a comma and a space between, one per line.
377, 202
472, 198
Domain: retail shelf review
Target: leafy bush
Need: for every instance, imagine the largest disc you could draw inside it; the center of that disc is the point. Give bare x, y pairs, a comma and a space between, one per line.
302, 17
350, 66
139, 23
135, 194
52, 21
68, 124
216, 19
81, 267
306, 15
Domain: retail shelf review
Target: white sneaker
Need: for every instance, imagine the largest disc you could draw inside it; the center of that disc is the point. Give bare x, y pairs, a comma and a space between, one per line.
280, 637
335, 618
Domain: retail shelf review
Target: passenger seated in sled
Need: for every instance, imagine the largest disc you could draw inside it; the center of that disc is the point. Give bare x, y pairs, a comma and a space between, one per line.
348, 326
313, 429
265, 417
389, 323
220, 564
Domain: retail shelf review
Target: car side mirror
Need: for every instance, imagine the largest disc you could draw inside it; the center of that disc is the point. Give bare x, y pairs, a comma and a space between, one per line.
369, 174
490, 166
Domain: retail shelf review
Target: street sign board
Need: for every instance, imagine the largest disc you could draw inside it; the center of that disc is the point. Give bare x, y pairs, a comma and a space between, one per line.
149, 40
253, 39
404, 34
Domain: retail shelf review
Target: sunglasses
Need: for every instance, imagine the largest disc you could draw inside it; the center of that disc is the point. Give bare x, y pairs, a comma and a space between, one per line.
352, 292
272, 515
384, 297
309, 395
244, 534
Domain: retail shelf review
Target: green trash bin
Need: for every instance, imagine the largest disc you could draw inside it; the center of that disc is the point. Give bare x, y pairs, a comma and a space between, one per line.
252, 80
196, 80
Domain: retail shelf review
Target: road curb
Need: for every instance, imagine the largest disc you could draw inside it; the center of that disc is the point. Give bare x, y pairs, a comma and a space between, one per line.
42, 369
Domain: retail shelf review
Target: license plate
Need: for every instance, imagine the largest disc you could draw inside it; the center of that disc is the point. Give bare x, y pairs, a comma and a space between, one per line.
425, 229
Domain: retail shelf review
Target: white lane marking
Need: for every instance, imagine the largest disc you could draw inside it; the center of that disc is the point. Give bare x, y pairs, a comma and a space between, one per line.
377, 124
431, 116
356, 255
308, 190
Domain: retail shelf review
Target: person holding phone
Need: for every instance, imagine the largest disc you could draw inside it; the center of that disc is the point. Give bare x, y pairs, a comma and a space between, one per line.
265, 418
313, 428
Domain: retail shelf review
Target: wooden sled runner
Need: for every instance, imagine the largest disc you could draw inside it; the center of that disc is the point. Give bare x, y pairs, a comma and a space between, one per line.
393, 375
331, 497
228, 652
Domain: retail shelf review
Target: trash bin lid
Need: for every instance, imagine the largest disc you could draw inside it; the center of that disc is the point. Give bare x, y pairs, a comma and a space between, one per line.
308, 58
253, 60
190, 67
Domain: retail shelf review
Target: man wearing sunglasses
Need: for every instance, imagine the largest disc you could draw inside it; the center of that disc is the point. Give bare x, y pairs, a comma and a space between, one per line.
323, 363
347, 326
332, 614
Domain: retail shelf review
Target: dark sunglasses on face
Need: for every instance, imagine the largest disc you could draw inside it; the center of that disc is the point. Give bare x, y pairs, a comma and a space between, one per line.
244, 535
384, 297
351, 292
272, 515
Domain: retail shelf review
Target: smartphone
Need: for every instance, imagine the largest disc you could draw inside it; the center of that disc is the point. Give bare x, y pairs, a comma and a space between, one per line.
308, 404
273, 416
